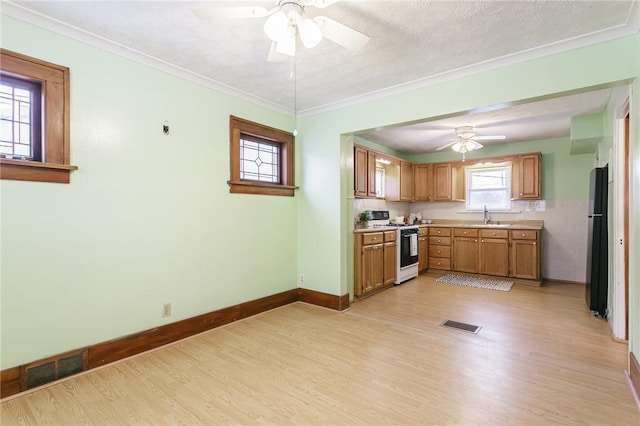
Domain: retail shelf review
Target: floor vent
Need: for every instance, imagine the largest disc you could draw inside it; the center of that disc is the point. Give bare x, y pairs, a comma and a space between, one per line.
48, 370
461, 326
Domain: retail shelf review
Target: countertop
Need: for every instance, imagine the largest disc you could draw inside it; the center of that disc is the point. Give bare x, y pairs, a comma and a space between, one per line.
536, 225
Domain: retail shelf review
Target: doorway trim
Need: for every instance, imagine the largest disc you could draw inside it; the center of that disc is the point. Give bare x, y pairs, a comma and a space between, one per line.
620, 241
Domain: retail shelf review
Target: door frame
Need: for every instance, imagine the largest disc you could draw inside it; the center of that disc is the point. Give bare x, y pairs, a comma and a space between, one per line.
620, 241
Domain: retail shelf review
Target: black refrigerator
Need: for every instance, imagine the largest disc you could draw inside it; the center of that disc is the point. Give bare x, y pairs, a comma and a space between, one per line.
597, 246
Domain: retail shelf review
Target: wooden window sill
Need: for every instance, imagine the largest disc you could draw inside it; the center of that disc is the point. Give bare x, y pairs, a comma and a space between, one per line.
35, 171
264, 188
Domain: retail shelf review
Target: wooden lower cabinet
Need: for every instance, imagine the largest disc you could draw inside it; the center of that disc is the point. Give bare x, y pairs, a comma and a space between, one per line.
440, 248
375, 261
465, 250
525, 254
390, 262
494, 252
423, 250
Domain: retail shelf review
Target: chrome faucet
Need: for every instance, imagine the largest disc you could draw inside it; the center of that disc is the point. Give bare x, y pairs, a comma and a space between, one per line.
486, 215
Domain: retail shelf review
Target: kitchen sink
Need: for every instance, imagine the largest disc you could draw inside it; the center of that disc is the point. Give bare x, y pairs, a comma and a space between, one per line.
495, 225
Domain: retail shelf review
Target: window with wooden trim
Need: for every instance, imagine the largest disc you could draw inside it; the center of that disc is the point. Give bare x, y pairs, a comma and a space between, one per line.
34, 119
262, 159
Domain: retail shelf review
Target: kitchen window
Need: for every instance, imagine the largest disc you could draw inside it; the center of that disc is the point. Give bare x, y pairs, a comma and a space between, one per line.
490, 187
34, 119
262, 159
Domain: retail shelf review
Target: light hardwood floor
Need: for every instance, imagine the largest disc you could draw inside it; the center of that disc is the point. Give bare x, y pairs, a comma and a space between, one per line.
540, 358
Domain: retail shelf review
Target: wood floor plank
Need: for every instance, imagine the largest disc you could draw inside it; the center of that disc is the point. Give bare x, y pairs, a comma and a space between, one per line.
540, 358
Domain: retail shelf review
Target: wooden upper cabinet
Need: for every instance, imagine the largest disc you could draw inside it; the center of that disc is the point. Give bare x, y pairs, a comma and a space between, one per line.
371, 174
442, 182
406, 181
422, 182
360, 166
364, 169
526, 177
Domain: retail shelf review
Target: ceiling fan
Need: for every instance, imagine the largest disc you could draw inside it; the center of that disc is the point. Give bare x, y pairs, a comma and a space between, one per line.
466, 140
287, 21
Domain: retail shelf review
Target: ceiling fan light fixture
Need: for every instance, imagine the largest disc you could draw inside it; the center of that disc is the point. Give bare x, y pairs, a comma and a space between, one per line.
287, 45
310, 33
276, 26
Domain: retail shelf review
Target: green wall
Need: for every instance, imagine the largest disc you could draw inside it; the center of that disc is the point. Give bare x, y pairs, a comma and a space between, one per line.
146, 220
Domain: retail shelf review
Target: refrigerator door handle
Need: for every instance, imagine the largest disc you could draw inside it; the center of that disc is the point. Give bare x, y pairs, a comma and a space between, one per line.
596, 215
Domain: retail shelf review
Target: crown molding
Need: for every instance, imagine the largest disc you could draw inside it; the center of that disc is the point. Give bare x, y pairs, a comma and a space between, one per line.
78, 34
632, 26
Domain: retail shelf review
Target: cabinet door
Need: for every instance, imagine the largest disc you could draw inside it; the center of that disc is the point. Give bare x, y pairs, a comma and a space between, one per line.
360, 165
524, 259
465, 255
372, 267
371, 174
422, 182
494, 257
530, 176
442, 182
390, 262
423, 253
406, 181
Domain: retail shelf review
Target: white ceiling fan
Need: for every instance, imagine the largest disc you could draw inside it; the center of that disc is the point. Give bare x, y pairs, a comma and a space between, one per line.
287, 21
467, 140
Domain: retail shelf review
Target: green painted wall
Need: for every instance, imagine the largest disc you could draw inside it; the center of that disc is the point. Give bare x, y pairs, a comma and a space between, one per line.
147, 218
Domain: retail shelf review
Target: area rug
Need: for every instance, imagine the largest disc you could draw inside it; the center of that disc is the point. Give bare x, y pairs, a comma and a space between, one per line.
475, 282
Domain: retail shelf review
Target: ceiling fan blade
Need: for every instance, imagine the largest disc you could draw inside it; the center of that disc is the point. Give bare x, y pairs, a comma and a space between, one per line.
320, 4
341, 34
213, 12
490, 138
453, 142
274, 55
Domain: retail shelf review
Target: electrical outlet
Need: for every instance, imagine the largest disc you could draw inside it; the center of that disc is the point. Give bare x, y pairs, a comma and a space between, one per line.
301, 278
166, 310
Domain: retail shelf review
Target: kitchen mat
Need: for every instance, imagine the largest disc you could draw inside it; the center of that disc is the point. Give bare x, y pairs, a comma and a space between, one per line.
468, 281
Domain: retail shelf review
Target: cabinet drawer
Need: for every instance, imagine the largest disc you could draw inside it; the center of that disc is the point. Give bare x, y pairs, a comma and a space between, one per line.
443, 232
444, 241
494, 233
524, 234
440, 263
390, 236
465, 232
440, 251
423, 231
372, 238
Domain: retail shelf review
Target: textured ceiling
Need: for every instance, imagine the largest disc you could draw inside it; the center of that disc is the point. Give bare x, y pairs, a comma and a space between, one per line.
411, 41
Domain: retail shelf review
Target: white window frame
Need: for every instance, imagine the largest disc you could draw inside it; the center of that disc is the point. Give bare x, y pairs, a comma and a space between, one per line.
469, 171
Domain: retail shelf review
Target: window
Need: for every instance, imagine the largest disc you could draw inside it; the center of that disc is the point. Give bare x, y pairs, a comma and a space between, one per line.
262, 159
490, 187
20, 119
34, 119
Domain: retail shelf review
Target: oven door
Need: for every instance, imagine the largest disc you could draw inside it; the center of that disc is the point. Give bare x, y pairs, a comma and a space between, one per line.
408, 247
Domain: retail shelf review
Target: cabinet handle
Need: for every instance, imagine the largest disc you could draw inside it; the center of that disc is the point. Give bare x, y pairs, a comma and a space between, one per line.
494, 234
521, 193
438, 251
438, 240
465, 232
523, 235
476, 241
482, 241
438, 232
534, 243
